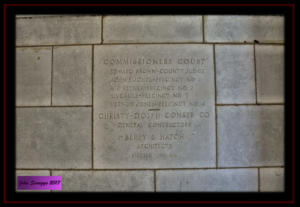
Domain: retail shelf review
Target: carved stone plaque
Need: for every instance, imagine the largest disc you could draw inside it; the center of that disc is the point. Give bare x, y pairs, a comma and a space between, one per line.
154, 106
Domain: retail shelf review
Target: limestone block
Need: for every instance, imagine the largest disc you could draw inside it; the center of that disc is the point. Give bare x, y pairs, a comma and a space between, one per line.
106, 181
270, 73
156, 28
235, 74
72, 75
57, 137
33, 76
250, 136
210, 180
64, 29
271, 179
240, 28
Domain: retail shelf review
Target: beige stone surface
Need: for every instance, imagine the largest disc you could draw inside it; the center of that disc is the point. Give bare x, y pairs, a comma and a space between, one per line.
57, 137
72, 75
33, 76
106, 181
271, 179
235, 78
207, 180
250, 136
240, 28
270, 73
152, 28
64, 29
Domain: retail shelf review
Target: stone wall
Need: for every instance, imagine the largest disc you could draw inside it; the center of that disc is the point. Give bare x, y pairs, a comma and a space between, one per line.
226, 132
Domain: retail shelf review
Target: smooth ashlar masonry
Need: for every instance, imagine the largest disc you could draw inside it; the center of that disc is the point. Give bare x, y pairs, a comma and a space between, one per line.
113, 181
58, 137
208, 180
33, 76
151, 103
72, 79
156, 28
58, 29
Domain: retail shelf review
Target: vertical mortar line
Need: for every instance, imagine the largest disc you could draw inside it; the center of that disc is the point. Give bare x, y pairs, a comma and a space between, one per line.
255, 76
203, 33
258, 179
92, 111
51, 93
50, 175
154, 179
102, 25
216, 116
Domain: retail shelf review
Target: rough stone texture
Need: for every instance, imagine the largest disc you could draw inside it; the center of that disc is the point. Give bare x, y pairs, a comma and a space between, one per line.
235, 74
53, 137
33, 76
58, 30
31, 173
226, 180
72, 75
106, 181
156, 28
116, 146
250, 136
271, 179
244, 28
270, 73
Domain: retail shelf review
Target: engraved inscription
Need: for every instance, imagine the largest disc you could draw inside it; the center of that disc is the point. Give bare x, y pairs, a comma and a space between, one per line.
153, 106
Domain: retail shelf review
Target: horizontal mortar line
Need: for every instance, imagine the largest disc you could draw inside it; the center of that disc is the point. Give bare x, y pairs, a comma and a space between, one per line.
202, 43
279, 166
55, 15
54, 106
53, 45
90, 169
245, 43
140, 169
151, 43
248, 104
